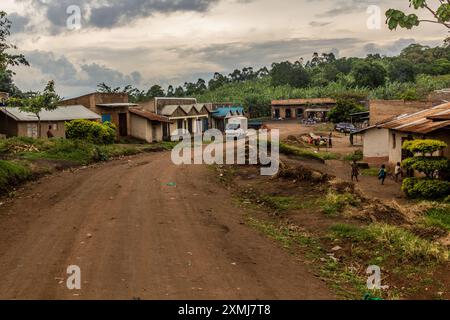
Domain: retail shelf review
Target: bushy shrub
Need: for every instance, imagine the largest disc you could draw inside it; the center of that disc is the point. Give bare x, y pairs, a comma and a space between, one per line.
91, 131
426, 188
424, 147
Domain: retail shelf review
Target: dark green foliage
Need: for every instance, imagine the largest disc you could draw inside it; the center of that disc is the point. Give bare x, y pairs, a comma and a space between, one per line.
292, 74
426, 188
91, 131
345, 106
402, 70
432, 167
369, 74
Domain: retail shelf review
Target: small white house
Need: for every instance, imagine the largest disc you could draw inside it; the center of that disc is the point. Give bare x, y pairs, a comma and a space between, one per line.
383, 142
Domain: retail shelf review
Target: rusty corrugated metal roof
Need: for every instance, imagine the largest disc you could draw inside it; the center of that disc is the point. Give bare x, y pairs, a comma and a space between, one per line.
424, 121
149, 115
295, 102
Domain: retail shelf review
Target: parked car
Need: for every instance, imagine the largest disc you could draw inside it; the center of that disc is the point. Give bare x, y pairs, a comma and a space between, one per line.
345, 127
237, 128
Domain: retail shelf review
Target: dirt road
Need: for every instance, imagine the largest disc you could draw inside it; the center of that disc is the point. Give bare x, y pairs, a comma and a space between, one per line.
141, 229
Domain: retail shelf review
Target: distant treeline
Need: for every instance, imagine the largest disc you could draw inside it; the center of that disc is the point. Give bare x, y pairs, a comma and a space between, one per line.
411, 75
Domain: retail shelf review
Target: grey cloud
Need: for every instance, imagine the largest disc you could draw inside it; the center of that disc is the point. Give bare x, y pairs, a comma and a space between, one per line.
257, 54
110, 13
347, 7
319, 24
390, 49
18, 22
66, 73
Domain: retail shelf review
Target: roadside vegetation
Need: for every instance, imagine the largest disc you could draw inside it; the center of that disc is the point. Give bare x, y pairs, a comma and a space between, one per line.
340, 233
27, 158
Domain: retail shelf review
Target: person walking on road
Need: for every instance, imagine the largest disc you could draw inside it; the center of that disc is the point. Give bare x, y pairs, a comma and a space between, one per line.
355, 171
382, 174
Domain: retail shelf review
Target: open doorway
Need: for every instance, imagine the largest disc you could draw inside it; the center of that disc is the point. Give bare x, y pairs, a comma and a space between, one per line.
123, 125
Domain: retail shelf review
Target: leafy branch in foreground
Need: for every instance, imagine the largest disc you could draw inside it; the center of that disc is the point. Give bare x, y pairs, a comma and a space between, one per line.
440, 14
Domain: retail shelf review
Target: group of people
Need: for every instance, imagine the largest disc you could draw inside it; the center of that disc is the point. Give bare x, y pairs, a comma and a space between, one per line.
382, 174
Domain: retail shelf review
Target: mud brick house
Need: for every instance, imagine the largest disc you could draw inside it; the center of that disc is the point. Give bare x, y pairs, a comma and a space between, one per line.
302, 108
148, 126
182, 114
14, 122
383, 141
112, 107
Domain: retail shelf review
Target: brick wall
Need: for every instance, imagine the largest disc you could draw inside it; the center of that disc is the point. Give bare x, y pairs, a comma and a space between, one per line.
384, 109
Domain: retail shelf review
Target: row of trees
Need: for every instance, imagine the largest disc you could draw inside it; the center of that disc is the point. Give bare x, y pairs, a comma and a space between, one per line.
372, 73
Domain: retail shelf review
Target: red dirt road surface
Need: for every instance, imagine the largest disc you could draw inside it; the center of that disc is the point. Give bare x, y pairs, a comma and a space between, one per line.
144, 229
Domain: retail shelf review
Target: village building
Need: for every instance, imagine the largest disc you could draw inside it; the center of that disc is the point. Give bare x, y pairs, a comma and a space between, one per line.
383, 142
220, 116
296, 109
14, 122
184, 115
112, 107
148, 126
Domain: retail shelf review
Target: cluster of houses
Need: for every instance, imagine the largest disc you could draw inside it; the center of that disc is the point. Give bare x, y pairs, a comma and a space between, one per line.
388, 123
156, 120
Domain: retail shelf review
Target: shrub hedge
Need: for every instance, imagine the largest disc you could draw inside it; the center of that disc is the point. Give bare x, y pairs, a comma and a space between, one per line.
426, 188
91, 131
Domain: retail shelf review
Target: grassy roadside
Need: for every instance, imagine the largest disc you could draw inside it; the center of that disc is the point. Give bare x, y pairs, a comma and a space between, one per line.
347, 239
22, 158
305, 153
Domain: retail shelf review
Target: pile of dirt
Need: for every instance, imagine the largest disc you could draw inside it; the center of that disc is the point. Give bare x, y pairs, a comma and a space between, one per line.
301, 173
341, 186
376, 211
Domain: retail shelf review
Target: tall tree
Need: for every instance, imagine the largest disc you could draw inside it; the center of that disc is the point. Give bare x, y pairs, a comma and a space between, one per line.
155, 91
6, 58
37, 102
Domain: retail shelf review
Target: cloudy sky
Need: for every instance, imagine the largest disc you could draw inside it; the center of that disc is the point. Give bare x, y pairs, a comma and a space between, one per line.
143, 42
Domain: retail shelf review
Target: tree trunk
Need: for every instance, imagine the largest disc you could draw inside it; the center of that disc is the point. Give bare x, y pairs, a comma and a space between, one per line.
39, 125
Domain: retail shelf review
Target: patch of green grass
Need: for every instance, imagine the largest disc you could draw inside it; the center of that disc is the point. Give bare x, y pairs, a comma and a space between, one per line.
282, 233
371, 172
12, 173
407, 246
282, 203
438, 217
307, 154
394, 241
335, 203
355, 156
351, 232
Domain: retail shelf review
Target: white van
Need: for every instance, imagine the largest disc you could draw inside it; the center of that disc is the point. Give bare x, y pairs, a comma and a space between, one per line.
237, 128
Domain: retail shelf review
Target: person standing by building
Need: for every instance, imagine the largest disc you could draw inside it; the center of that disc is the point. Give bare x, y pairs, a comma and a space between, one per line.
50, 133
